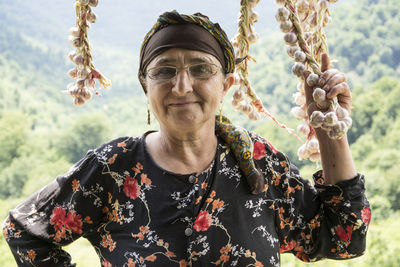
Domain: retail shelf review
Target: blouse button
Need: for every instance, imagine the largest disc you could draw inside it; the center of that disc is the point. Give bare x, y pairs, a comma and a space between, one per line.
192, 179
188, 231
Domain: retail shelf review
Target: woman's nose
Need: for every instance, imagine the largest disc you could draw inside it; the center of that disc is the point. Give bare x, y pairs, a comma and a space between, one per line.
182, 83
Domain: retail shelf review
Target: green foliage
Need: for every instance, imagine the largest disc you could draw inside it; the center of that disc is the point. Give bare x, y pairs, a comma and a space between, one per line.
87, 132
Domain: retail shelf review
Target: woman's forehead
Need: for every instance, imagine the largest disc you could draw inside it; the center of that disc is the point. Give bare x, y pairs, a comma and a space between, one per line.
177, 56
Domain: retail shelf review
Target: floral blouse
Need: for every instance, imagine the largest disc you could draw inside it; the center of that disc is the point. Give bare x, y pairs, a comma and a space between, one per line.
135, 213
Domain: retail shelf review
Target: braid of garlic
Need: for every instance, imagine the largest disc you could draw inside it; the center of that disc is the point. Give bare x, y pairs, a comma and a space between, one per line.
84, 72
295, 18
245, 36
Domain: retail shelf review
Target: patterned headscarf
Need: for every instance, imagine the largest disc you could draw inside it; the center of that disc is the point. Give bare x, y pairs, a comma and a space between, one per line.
174, 18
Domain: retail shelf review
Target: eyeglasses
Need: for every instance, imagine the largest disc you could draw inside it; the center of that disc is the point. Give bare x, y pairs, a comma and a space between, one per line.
198, 71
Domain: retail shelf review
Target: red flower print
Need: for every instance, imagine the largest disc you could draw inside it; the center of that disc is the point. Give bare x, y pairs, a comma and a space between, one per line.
203, 221
366, 215
182, 263
259, 150
344, 235
131, 188
74, 222
57, 218
288, 246
106, 263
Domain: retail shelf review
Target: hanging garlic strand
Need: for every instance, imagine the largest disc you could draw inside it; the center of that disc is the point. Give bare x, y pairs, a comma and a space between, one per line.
84, 71
245, 98
302, 23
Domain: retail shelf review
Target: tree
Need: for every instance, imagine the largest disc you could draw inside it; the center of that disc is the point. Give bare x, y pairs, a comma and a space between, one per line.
87, 132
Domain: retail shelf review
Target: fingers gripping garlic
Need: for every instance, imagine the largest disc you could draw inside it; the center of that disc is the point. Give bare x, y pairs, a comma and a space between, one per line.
306, 42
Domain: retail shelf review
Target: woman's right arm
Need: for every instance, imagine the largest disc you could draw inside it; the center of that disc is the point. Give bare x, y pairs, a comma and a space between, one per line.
56, 215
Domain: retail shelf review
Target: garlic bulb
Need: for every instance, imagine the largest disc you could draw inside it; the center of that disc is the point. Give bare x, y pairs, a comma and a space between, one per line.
312, 145
78, 101
93, 3
247, 109
319, 94
302, 152
253, 16
91, 17
330, 119
302, 6
282, 14
254, 115
290, 38
322, 5
300, 87
280, 2
74, 31
315, 157
299, 98
298, 112
292, 49
73, 73
317, 118
304, 129
299, 56
341, 112
298, 69
238, 95
286, 26
253, 38
312, 79
348, 121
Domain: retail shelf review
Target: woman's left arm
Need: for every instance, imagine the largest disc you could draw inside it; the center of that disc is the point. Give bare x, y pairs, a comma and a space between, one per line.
336, 158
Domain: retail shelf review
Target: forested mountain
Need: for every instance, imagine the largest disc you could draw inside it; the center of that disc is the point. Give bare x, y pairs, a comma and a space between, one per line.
42, 133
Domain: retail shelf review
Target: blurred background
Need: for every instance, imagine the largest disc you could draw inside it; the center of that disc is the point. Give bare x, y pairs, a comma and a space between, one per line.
42, 134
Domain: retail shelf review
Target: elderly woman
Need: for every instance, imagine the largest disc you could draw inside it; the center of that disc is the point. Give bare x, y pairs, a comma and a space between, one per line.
186, 195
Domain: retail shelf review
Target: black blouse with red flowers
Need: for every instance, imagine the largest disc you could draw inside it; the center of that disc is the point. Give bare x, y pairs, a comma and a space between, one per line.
135, 213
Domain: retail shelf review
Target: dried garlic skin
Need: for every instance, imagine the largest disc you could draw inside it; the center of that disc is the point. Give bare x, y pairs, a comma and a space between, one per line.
286, 26
319, 94
304, 129
312, 79
280, 2
302, 152
298, 112
298, 69
254, 16
292, 49
299, 56
93, 3
84, 2
282, 14
299, 98
330, 119
290, 38
254, 115
348, 121
317, 118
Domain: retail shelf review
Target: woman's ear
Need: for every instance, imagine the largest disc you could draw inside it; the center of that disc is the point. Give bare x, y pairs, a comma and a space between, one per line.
229, 81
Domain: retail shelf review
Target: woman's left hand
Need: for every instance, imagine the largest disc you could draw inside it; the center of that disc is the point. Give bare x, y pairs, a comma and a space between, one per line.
333, 82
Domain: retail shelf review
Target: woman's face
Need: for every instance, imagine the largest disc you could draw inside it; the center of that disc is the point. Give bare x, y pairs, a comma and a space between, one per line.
186, 102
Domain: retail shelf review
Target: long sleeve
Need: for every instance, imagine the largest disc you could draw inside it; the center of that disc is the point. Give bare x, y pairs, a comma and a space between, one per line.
316, 221
69, 207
